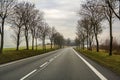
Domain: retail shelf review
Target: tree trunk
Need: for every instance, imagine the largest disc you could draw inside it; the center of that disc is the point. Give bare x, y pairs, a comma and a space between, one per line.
96, 38
87, 40
51, 43
97, 42
43, 44
111, 37
26, 38
83, 45
18, 40
36, 43
90, 44
32, 42
2, 36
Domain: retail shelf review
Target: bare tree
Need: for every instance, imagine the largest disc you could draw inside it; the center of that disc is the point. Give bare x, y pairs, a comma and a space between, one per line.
51, 35
33, 25
77, 42
17, 24
91, 35
85, 25
44, 31
81, 32
27, 11
89, 31
109, 16
17, 36
92, 9
110, 9
6, 7
37, 34
36, 19
59, 40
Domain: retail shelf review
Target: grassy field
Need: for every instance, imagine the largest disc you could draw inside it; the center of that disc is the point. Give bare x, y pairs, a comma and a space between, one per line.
30, 47
111, 62
10, 54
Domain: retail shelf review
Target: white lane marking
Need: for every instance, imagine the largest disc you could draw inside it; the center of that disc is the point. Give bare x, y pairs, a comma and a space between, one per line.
91, 67
51, 59
28, 74
44, 64
55, 57
47, 63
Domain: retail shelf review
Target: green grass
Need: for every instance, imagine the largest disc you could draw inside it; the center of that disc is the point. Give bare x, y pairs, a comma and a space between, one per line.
23, 47
10, 54
102, 57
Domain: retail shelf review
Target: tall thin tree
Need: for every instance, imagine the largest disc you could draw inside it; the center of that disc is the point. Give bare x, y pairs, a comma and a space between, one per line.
6, 7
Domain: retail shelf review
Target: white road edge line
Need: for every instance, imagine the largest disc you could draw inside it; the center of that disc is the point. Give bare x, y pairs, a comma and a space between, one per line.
44, 64
91, 67
28, 74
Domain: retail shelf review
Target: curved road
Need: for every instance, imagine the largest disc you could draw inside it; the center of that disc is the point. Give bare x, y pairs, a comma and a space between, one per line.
63, 64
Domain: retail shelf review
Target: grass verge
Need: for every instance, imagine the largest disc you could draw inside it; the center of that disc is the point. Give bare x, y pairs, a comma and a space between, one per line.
10, 55
111, 62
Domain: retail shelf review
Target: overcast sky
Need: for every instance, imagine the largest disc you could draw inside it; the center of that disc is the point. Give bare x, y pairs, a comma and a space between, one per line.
62, 14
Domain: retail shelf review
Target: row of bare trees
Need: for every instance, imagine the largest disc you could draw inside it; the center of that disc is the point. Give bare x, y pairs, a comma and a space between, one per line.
93, 13
30, 21
27, 22
26, 19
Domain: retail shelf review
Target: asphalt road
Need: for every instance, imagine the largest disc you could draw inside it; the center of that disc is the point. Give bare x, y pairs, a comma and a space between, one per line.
63, 64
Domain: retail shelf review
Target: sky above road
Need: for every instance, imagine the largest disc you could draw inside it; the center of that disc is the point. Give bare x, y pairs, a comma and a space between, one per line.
62, 14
